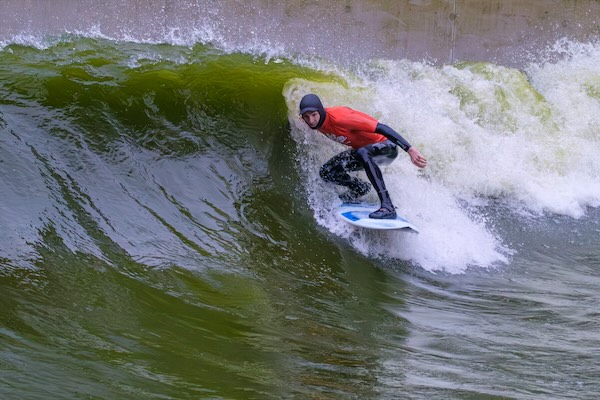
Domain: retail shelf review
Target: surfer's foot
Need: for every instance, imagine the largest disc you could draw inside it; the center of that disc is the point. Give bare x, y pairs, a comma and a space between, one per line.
383, 213
352, 195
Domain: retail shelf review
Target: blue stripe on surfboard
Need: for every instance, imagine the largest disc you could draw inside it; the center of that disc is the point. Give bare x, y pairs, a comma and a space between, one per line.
350, 215
358, 215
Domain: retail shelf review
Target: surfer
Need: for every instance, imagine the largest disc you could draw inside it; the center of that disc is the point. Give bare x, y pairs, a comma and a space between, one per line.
371, 143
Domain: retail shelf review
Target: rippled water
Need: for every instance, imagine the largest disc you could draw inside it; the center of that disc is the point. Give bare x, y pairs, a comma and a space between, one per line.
165, 233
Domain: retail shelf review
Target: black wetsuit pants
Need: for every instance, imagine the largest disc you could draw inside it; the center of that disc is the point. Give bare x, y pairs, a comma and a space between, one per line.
367, 157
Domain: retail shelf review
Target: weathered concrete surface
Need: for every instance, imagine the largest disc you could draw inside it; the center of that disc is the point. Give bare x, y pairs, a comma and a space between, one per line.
443, 31
497, 30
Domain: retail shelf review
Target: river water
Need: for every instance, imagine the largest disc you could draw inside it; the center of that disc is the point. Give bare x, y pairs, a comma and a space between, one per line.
165, 234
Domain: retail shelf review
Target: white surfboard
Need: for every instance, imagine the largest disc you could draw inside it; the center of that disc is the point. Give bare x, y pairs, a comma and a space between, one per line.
358, 215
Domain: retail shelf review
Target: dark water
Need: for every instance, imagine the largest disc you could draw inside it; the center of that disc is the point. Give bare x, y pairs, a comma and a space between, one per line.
165, 235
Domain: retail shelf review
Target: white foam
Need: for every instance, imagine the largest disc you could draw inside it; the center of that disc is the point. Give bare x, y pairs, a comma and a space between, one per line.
488, 132
450, 239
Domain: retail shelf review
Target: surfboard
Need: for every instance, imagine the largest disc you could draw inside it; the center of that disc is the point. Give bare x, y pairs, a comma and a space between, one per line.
358, 215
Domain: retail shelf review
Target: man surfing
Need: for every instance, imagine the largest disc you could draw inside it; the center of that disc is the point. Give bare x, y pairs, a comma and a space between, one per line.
371, 143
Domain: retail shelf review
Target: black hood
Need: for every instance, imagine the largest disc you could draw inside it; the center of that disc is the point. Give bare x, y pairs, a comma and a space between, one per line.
311, 102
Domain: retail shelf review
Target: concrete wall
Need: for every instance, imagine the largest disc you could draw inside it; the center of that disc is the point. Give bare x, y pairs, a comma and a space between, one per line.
443, 31
498, 30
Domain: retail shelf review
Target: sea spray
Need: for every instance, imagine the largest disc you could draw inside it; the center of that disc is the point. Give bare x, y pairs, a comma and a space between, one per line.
448, 233
489, 132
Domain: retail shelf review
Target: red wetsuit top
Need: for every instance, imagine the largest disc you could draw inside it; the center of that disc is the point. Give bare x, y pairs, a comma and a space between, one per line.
350, 127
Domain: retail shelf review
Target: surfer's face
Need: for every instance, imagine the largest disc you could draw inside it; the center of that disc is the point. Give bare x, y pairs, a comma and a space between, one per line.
311, 118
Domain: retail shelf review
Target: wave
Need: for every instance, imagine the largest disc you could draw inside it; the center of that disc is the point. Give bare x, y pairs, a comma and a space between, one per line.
153, 153
182, 155
496, 137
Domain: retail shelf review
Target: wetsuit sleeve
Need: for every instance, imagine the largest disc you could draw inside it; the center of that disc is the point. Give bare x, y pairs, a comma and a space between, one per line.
392, 135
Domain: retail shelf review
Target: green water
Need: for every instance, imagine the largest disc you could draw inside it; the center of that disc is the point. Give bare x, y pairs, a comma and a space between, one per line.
160, 238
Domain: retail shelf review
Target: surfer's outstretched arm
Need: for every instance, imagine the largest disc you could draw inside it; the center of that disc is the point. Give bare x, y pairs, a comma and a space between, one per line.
392, 135
415, 155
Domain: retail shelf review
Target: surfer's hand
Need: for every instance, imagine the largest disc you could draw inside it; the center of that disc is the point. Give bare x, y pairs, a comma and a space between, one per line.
417, 158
